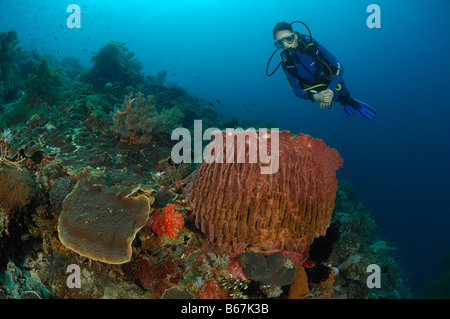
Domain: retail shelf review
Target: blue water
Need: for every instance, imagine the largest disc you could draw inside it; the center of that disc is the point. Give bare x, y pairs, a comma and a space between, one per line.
398, 163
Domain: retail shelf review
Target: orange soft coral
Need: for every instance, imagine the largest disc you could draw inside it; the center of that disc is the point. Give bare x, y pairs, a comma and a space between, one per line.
167, 222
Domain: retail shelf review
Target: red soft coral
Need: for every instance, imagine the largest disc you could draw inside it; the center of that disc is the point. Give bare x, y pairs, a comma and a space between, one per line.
167, 222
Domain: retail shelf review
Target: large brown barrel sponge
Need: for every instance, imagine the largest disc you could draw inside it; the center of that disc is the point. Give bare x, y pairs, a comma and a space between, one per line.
236, 206
100, 221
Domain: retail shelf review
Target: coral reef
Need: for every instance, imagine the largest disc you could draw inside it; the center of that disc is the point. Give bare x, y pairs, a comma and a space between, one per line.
46, 83
355, 250
10, 81
17, 116
281, 211
177, 293
17, 284
72, 67
178, 267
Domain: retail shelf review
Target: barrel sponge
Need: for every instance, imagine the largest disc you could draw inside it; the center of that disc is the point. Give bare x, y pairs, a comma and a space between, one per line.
236, 207
101, 221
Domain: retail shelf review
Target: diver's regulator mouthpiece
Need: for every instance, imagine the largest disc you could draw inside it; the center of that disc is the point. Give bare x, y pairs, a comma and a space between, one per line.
290, 53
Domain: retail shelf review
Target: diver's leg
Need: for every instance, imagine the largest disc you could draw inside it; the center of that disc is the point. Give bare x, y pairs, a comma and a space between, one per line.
352, 106
343, 95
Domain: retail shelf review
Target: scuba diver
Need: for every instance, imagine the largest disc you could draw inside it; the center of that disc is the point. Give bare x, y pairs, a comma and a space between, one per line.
312, 72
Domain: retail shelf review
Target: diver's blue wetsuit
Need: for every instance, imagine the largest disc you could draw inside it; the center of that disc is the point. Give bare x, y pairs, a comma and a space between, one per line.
309, 72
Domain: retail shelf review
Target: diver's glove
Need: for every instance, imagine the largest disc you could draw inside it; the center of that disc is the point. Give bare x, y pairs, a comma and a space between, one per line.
357, 107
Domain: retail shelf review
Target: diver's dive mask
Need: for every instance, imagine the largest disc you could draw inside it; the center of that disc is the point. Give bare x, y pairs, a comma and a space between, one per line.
288, 40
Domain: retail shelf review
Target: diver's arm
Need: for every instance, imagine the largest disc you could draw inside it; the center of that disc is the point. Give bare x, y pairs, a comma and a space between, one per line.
337, 79
295, 87
333, 61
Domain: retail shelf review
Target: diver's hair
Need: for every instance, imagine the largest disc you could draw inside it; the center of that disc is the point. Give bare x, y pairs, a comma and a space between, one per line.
280, 26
